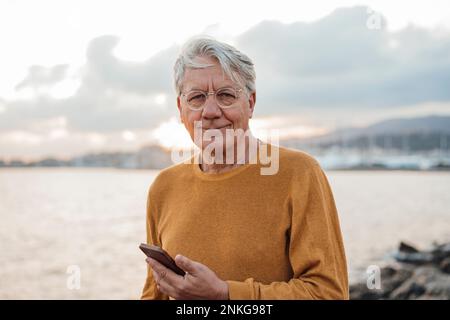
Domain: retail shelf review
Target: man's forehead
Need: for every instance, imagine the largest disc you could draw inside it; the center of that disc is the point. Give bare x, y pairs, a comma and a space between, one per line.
202, 78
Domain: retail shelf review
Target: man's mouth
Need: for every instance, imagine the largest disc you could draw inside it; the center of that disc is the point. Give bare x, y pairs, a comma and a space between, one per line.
228, 126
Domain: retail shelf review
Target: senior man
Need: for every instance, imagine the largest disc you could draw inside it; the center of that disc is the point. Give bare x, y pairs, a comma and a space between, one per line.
237, 233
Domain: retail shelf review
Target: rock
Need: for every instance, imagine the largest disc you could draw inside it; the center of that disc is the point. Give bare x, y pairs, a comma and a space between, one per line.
441, 252
391, 278
425, 274
444, 248
407, 253
389, 282
407, 248
360, 291
417, 258
387, 272
417, 274
445, 265
416, 285
438, 289
410, 289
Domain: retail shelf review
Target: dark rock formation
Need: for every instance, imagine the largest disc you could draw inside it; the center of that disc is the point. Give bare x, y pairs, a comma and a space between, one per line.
414, 274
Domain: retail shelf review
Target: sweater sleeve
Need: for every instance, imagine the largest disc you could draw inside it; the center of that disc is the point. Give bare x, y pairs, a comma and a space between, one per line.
316, 250
150, 290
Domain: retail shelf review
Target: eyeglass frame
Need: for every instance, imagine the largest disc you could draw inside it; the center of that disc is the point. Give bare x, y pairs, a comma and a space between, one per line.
209, 93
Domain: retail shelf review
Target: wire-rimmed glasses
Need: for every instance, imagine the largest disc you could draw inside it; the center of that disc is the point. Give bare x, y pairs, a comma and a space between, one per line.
225, 98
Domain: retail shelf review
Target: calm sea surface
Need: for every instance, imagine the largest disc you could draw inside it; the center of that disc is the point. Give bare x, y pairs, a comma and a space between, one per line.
94, 219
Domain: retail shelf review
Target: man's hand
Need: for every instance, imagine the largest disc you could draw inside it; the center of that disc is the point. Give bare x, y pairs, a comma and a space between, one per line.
200, 282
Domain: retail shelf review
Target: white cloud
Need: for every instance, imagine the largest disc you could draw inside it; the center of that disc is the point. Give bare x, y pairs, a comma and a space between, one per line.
128, 135
21, 137
161, 99
172, 134
324, 70
46, 125
337, 62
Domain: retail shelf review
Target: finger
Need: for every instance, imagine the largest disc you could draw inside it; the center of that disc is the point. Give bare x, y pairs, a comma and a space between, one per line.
156, 277
151, 261
190, 266
155, 264
165, 274
164, 286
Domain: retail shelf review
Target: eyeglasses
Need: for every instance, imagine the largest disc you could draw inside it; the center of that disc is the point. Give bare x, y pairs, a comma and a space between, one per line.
225, 98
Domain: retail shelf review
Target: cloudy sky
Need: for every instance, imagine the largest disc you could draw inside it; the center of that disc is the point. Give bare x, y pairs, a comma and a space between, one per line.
79, 76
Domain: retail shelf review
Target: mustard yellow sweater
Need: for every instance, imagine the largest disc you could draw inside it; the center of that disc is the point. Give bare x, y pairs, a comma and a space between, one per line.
269, 236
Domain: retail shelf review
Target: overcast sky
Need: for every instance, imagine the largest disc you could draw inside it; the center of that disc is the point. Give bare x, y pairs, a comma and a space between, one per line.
84, 76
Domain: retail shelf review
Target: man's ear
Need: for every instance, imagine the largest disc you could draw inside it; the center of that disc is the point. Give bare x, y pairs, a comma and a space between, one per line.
179, 108
251, 103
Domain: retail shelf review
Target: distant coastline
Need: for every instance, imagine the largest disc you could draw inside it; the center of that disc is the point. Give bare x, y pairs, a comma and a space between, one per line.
160, 159
412, 144
358, 168
156, 158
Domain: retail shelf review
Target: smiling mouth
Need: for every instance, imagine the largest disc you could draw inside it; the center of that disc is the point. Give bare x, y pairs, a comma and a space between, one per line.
229, 126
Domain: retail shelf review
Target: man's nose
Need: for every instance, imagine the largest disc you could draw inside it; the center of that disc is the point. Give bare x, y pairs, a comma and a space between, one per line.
211, 109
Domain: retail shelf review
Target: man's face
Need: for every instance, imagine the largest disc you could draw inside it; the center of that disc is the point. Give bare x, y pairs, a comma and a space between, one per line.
212, 116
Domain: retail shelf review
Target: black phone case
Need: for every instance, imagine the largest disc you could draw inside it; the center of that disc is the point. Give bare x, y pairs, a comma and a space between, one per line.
162, 257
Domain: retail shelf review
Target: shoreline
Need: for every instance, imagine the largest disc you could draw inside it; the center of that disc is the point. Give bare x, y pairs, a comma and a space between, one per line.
362, 169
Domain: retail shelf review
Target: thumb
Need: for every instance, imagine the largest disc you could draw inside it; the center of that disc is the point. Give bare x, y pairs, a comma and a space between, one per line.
186, 264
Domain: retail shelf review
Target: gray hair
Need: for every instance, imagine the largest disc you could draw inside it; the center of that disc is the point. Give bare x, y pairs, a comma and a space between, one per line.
236, 65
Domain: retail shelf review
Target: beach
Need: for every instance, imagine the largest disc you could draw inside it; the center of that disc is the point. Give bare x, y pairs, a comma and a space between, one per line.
57, 218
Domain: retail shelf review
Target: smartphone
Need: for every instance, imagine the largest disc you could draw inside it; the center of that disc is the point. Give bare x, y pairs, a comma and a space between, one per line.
160, 255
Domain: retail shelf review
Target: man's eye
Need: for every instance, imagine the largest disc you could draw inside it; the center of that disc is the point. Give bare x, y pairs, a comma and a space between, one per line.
196, 97
227, 95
